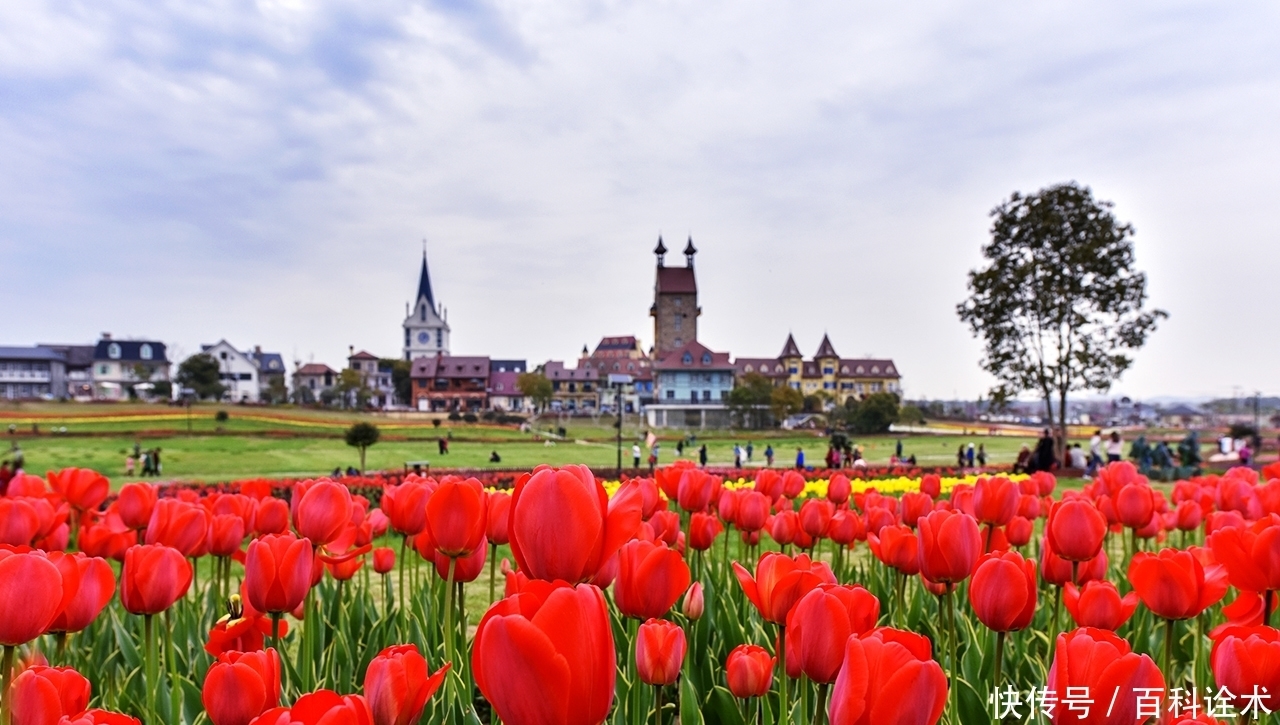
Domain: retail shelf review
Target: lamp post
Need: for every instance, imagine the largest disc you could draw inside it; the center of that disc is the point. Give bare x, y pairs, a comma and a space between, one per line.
617, 381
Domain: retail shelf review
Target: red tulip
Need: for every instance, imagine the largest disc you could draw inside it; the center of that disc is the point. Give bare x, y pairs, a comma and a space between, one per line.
1019, 531
384, 559
995, 501
915, 505
456, 516
651, 578
888, 676
748, 671
769, 483
563, 525
950, 545
1189, 516
1098, 604
246, 633
695, 489
397, 686
815, 517
179, 525
322, 707
498, 517
44, 694
406, 506
783, 526
88, 585
546, 655
1100, 662
99, 717
1174, 585
277, 572
792, 484
98, 539
819, 624
226, 534
846, 527
694, 603
272, 517
931, 484
1135, 503
31, 595
1003, 591
240, 686
1057, 571
154, 577
135, 503
321, 510
19, 522
780, 582
83, 488
665, 525
703, 530
1075, 529
1246, 660
465, 569
878, 517
753, 510
898, 547
660, 647
1251, 556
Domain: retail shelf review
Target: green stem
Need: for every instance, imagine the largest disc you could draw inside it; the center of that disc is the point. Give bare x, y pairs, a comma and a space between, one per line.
784, 710
999, 661
1168, 650
61, 639
493, 563
954, 664
171, 663
448, 616
820, 717
152, 669
400, 607
633, 672
7, 665
1053, 624
657, 709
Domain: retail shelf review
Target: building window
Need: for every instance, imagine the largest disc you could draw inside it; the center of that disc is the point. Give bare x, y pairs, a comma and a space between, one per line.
679, 301
671, 395
679, 322
706, 395
103, 369
679, 342
113, 351
794, 370
145, 352
706, 358
687, 359
828, 371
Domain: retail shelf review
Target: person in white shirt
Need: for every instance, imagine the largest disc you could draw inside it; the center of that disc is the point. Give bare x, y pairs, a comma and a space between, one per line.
1095, 452
1115, 447
635, 455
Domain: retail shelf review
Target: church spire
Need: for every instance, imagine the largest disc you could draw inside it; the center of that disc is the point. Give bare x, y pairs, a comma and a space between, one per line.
424, 281
660, 250
689, 251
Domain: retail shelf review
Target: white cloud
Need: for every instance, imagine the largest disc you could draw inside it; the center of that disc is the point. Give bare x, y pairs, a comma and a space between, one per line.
264, 171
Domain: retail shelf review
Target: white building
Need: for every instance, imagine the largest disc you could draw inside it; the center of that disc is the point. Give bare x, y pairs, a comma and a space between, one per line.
123, 365
237, 371
426, 329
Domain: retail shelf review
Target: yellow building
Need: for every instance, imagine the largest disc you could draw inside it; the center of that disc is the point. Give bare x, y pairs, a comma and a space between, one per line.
826, 373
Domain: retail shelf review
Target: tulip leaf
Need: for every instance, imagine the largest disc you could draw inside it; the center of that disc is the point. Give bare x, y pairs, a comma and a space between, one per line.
690, 704
972, 709
721, 704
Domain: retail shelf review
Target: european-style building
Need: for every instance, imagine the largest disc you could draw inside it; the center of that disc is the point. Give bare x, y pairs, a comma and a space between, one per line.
426, 326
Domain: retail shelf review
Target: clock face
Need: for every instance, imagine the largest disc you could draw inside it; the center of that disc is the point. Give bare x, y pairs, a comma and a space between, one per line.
424, 337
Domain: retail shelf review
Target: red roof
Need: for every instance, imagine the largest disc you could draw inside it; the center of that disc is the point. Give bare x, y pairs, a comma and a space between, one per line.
363, 355
504, 383
676, 280
555, 370
768, 366
869, 366
699, 358
316, 369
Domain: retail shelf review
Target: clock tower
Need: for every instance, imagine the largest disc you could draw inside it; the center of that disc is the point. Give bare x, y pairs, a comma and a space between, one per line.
426, 328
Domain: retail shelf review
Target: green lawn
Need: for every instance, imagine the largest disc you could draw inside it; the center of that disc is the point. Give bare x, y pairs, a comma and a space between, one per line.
218, 457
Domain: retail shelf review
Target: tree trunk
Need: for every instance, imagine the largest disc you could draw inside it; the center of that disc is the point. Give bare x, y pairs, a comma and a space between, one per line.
1062, 428
361, 460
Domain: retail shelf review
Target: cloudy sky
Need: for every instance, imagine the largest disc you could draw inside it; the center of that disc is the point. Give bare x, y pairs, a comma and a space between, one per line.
265, 172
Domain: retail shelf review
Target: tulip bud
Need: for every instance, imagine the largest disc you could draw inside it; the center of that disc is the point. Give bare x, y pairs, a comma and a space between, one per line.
693, 604
660, 648
384, 559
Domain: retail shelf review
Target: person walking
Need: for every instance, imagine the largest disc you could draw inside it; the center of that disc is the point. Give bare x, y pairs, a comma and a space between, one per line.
799, 458
750, 448
128, 465
768, 455
1095, 453
635, 455
702, 455
1045, 456
960, 456
737, 456
653, 456
968, 455
897, 451
1115, 447
982, 454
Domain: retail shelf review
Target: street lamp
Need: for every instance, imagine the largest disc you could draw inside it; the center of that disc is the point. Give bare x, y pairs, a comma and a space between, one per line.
617, 380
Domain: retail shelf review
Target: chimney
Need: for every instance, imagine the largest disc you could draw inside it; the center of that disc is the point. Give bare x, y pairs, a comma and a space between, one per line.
351, 350
257, 350
106, 336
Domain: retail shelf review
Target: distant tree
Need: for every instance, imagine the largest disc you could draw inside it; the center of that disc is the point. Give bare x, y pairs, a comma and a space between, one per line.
752, 392
873, 414
221, 416
536, 387
163, 389
201, 373
1059, 306
361, 435
350, 383
400, 380
785, 401
910, 415
277, 391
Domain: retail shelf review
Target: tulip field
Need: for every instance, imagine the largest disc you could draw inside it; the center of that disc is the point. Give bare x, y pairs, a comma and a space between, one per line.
555, 598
